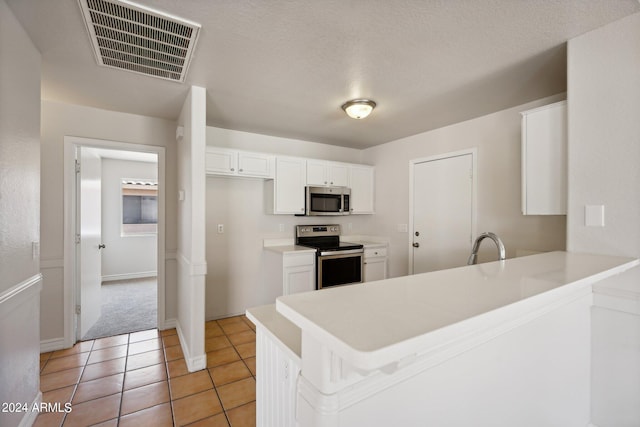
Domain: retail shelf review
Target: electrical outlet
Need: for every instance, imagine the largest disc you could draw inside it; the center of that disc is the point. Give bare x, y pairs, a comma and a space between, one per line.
220, 228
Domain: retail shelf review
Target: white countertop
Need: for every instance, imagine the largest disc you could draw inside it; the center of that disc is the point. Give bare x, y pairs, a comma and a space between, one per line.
279, 327
285, 249
374, 324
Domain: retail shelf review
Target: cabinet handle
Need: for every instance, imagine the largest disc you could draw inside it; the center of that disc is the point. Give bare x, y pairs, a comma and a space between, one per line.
232, 169
375, 253
239, 170
331, 182
325, 182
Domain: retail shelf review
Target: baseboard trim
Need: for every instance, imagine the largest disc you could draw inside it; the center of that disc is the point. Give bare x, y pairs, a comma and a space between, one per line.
51, 345
193, 363
129, 276
224, 316
168, 324
31, 415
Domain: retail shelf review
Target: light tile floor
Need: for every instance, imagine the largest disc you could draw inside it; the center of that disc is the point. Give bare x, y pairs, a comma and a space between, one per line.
141, 379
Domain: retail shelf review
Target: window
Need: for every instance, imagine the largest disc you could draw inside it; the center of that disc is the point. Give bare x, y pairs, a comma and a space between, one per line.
139, 207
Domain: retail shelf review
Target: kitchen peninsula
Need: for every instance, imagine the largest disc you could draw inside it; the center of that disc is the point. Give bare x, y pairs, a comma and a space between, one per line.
501, 344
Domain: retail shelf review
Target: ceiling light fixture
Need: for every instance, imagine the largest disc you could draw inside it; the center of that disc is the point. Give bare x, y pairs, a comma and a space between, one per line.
358, 108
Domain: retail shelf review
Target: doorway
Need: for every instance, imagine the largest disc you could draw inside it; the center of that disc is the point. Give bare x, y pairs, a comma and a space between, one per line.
442, 206
114, 270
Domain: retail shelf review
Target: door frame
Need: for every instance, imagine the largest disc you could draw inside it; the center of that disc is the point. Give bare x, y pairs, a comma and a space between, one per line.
71, 143
474, 191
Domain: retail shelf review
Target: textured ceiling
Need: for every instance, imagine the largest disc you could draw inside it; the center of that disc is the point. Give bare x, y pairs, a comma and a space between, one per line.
284, 67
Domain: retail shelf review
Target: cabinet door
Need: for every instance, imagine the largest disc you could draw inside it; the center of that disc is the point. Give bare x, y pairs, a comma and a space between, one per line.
375, 269
317, 173
255, 164
289, 184
299, 279
544, 160
222, 162
339, 174
362, 189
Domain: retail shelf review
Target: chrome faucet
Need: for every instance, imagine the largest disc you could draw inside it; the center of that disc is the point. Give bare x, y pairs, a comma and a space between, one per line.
473, 258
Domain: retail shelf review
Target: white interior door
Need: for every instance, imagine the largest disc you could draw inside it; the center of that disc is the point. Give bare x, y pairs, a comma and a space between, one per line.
89, 223
442, 212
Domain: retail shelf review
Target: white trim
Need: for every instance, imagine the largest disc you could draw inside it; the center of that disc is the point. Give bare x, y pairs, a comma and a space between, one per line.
129, 276
52, 344
474, 191
30, 417
70, 293
51, 263
193, 363
17, 295
169, 324
193, 268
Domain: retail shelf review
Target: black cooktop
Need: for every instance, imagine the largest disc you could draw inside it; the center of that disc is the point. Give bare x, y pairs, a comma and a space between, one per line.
331, 246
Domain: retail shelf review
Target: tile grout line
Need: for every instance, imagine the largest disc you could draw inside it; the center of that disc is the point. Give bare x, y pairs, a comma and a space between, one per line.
161, 339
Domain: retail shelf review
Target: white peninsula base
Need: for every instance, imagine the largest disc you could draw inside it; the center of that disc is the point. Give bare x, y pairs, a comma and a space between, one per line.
498, 344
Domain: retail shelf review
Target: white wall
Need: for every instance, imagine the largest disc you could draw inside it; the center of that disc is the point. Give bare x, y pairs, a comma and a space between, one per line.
60, 120
192, 265
497, 137
20, 279
129, 256
604, 169
235, 258
604, 137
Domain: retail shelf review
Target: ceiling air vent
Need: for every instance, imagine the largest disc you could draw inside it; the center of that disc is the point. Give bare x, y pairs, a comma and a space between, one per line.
136, 38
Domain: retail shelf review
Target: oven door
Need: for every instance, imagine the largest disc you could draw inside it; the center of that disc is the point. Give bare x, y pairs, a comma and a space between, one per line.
336, 269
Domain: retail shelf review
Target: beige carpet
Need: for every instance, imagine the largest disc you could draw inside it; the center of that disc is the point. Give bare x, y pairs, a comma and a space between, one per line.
127, 306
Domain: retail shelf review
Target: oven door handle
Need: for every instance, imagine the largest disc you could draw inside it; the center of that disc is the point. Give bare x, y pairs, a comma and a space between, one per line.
339, 253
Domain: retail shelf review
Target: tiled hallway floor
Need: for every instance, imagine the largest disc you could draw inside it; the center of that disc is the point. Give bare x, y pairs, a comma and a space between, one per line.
141, 379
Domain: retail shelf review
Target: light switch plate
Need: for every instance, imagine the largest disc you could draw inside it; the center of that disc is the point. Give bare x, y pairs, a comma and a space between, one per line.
594, 215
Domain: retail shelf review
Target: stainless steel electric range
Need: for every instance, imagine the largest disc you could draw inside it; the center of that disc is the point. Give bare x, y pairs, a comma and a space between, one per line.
337, 263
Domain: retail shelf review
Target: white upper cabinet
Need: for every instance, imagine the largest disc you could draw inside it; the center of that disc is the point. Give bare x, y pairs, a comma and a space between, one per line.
361, 178
220, 161
223, 162
544, 160
327, 173
255, 164
285, 193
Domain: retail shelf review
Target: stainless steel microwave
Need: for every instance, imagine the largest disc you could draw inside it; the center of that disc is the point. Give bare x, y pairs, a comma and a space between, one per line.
327, 201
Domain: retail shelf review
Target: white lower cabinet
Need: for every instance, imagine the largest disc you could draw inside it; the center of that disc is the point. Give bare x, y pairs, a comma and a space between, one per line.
375, 263
299, 273
288, 272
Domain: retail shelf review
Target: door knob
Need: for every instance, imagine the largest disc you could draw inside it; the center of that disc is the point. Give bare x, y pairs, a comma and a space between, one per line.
101, 246
416, 244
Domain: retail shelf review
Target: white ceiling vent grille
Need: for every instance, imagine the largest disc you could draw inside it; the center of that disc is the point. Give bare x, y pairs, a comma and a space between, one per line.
136, 38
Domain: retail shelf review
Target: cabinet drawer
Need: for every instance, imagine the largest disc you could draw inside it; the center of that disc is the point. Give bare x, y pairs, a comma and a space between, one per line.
375, 252
294, 260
